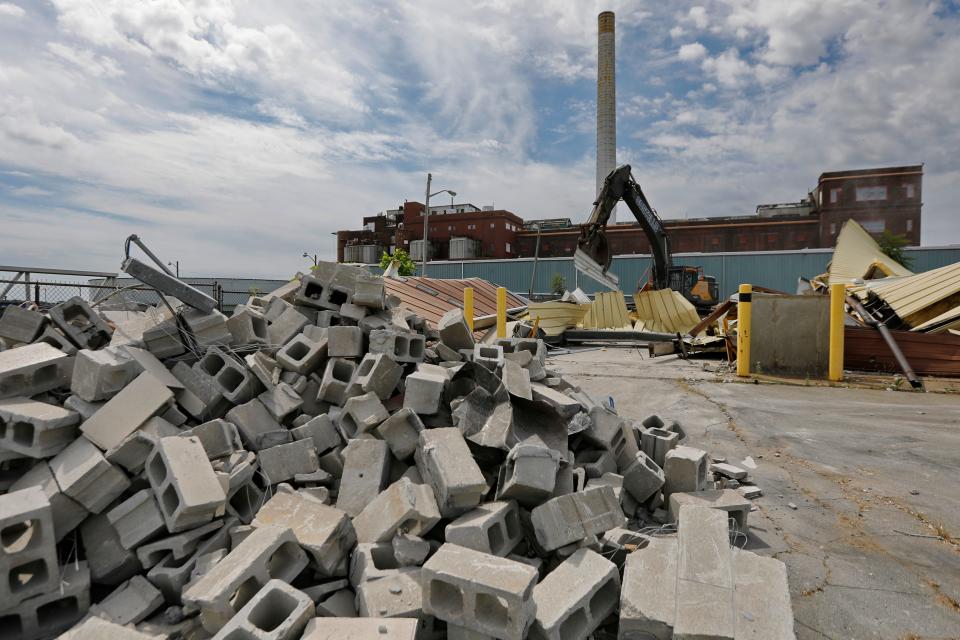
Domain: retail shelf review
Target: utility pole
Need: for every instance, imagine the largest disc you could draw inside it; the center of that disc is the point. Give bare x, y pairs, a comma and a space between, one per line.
426, 221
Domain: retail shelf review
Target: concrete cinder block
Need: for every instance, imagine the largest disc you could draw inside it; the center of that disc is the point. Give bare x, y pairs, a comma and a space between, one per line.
376, 374
48, 614
109, 562
643, 478
657, 442
95, 628
81, 324
127, 411
55, 338
181, 545
493, 527
336, 379
185, 485
136, 519
237, 383
648, 596
489, 356
282, 401
302, 354
32, 369
21, 325
480, 592
410, 550
684, 470
99, 375
132, 452
399, 346
369, 291
163, 340
207, 329
446, 464
253, 421
345, 342
729, 500
130, 603
529, 474
596, 462
362, 414
396, 595
372, 561
517, 380
761, 598
218, 437
576, 597
67, 514
359, 629
35, 429
267, 553
325, 533
82, 407
401, 432
321, 431
454, 331
28, 556
200, 396
705, 587
285, 326
247, 327
728, 471
365, 470
283, 462
564, 404
402, 507
572, 517
424, 392
276, 612
85, 475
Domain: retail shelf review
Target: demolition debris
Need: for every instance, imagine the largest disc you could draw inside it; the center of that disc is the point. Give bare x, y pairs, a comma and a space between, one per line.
326, 464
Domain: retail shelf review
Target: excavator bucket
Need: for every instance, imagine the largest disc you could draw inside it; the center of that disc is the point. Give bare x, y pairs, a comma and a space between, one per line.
589, 267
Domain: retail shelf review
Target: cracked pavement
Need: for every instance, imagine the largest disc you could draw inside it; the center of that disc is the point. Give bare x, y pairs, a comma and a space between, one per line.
873, 548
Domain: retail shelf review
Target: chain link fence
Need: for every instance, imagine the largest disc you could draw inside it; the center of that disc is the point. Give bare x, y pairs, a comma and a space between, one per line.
46, 294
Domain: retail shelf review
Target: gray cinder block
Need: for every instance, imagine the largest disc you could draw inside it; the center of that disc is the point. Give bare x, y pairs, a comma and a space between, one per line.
101, 374
283, 462
403, 506
454, 331
32, 369
656, 442
684, 470
35, 429
85, 475
572, 517
729, 500
377, 374
81, 324
237, 383
187, 490
359, 628
127, 411
399, 346
446, 464
302, 354
28, 559
247, 327
67, 514
643, 477
48, 614
253, 421
529, 474
576, 597
21, 325
704, 575
648, 595
365, 470
401, 432
424, 392
361, 414
276, 612
136, 519
336, 379
492, 528
207, 329
397, 594
488, 355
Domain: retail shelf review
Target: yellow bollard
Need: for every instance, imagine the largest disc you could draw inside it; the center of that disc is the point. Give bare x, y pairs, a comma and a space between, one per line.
468, 306
837, 314
501, 312
744, 309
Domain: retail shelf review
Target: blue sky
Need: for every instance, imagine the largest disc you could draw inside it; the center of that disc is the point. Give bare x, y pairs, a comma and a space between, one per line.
234, 135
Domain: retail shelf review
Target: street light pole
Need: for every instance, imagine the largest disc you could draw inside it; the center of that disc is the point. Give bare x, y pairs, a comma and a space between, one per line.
426, 221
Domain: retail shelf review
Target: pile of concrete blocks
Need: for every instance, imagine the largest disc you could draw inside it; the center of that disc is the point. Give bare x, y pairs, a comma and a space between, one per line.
326, 464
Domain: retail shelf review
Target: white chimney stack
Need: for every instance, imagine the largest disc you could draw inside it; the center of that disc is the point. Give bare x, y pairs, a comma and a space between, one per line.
606, 102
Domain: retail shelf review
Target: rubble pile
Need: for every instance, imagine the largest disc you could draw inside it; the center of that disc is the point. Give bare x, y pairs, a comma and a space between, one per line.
323, 464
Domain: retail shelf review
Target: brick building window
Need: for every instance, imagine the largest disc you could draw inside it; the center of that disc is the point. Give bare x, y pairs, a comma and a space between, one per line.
833, 228
869, 194
874, 226
909, 225
507, 247
908, 190
835, 195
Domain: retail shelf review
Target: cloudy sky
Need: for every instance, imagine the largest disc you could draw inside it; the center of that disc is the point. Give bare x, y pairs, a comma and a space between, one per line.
234, 135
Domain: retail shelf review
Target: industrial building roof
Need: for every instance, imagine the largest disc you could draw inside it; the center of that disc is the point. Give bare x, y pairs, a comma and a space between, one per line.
430, 298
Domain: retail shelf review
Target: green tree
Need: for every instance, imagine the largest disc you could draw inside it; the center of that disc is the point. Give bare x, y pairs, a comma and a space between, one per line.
406, 266
892, 245
558, 284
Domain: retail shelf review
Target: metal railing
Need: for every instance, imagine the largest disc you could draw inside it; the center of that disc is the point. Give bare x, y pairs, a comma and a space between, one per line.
46, 294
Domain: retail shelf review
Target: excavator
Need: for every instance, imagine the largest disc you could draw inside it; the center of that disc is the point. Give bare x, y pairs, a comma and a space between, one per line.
593, 256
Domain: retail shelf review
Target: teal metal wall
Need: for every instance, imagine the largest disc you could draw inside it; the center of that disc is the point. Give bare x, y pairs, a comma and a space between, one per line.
773, 269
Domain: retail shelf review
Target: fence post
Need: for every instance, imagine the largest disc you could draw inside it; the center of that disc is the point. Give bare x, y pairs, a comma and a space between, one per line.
837, 315
36, 293
744, 311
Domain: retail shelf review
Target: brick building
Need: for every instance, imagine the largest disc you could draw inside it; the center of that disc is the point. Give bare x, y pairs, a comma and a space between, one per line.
887, 198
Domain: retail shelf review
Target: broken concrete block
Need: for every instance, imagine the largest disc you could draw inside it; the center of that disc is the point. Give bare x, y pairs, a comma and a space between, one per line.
35, 429
67, 514
424, 391
365, 470
362, 414
596, 462
372, 561
446, 464
82, 407
397, 345
480, 592
359, 629
345, 342
704, 575
454, 331
136, 519
376, 374
761, 598
47, 615
564, 404
750, 492
109, 562
489, 356
248, 327
201, 396
410, 550
164, 340
94, 628
325, 533
276, 612
268, 552
728, 471
517, 380
401, 432
396, 595
253, 421
336, 379
369, 291
130, 603
99, 375
281, 401
32, 369
21, 325
310, 291
648, 596
187, 490
181, 545
402, 507
127, 411
657, 442
493, 527
570, 518
302, 354
81, 324
283, 462
237, 383
576, 597
218, 437
684, 470
321, 431
28, 556
529, 474
341, 604
85, 475
643, 477
207, 329
729, 500
284, 327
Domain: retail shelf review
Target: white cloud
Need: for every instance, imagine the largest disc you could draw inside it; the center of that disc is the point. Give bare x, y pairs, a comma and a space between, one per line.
692, 51
698, 16
11, 10
86, 60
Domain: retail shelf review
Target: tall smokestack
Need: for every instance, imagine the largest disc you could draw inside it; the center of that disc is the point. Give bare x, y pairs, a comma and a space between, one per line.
606, 101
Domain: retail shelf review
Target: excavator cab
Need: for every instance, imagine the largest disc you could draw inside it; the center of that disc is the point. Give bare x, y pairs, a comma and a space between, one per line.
699, 289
